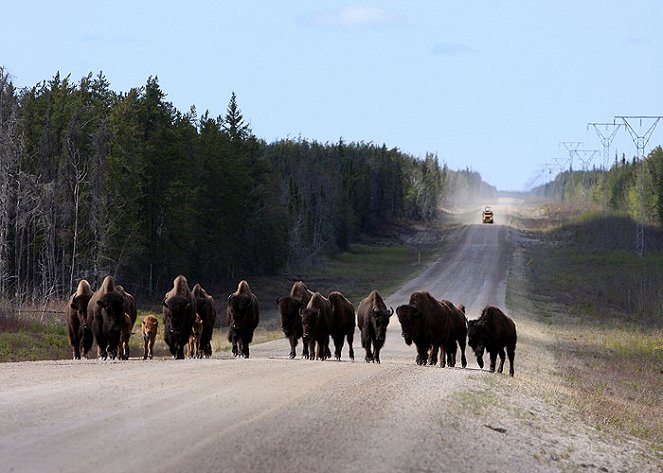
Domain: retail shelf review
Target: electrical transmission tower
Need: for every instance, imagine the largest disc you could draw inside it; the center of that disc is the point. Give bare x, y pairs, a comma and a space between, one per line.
585, 156
571, 148
606, 140
640, 140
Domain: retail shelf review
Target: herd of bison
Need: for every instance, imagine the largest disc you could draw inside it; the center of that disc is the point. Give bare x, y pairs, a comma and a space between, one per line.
436, 327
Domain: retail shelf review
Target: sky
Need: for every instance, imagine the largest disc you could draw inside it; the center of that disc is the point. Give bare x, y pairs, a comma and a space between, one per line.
488, 85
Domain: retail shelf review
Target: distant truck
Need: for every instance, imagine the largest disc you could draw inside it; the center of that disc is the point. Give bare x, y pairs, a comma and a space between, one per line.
487, 215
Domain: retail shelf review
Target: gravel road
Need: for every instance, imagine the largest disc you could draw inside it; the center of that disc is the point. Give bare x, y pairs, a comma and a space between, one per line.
269, 413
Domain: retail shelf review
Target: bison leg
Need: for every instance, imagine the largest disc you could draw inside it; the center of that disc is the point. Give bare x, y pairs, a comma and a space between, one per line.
422, 354
338, 346
311, 349
511, 353
366, 344
351, 336
493, 360
463, 360
293, 343
151, 352
245, 349
376, 355
305, 351
502, 356
432, 359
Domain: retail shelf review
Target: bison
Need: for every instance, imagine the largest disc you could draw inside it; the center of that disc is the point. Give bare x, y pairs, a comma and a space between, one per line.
343, 323
179, 313
493, 331
426, 322
373, 319
316, 324
80, 334
291, 322
206, 308
457, 333
149, 329
242, 316
105, 314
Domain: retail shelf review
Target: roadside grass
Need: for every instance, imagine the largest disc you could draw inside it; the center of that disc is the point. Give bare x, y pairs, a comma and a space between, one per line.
603, 311
31, 341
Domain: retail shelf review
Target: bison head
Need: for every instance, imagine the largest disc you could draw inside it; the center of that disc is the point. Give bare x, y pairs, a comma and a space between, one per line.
175, 312
310, 318
289, 308
380, 320
112, 311
475, 338
408, 316
239, 310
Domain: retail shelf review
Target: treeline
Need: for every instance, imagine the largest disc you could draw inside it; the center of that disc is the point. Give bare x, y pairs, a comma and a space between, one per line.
617, 189
96, 182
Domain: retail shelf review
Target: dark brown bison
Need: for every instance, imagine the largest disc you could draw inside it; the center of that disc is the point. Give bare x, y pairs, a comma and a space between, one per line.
105, 314
316, 324
373, 319
206, 308
343, 323
179, 313
242, 315
291, 321
149, 329
493, 332
80, 334
457, 334
426, 322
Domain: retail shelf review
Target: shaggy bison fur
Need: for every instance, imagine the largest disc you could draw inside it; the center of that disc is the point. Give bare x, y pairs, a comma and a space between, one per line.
373, 319
493, 331
179, 313
80, 334
291, 322
343, 323
242, 315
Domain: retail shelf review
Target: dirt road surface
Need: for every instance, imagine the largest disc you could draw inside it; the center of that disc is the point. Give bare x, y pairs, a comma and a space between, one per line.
272, 414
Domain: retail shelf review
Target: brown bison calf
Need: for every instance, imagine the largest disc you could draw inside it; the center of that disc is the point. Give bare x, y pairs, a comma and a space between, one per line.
493, 332
149, 328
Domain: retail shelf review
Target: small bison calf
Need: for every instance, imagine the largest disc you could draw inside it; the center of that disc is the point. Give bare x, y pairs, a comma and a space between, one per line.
493, 332
149, 329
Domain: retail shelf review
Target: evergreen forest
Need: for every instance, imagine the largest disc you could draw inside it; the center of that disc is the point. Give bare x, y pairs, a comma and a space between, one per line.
96, 182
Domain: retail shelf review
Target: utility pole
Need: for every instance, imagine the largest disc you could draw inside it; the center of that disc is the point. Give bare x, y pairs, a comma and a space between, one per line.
606, 140
640, 140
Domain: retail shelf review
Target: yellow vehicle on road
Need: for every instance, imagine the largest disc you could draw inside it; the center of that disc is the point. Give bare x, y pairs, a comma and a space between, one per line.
487, 215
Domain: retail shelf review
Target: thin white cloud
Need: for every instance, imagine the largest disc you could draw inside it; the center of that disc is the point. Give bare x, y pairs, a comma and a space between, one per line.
448, 49
351, 17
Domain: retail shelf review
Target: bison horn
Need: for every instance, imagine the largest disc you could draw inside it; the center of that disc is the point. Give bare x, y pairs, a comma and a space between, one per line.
375, 309
391, 311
